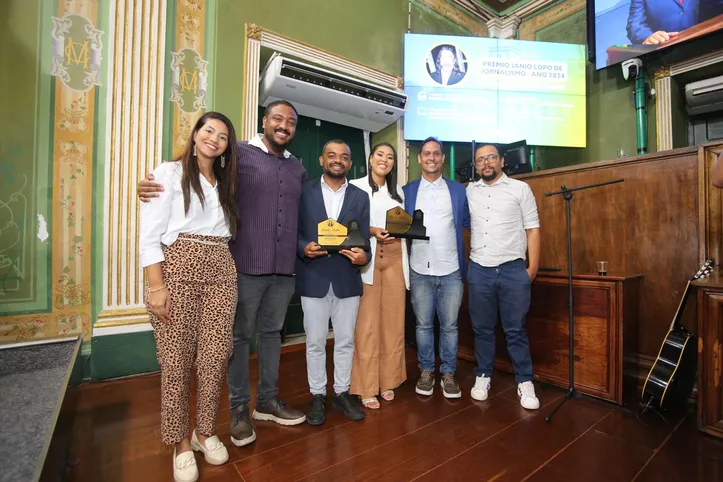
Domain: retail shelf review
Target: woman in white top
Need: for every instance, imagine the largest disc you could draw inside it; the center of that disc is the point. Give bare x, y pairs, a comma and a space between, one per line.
191, 293
379, 363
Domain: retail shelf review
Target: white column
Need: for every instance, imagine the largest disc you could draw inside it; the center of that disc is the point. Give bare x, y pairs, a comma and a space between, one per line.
503, 27
663, 113
252, 60
135, 109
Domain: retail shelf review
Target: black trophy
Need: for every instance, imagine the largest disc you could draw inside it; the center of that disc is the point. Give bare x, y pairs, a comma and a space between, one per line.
400, 224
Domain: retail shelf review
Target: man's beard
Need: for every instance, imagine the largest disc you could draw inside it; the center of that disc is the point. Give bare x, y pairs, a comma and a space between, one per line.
489, 177
335, 175
270, 139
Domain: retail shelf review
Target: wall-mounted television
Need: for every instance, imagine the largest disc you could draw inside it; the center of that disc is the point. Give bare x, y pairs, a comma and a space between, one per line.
624, 29
464, 89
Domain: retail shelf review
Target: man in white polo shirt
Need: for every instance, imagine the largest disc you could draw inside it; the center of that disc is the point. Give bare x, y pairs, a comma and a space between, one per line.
437, 267
505, 226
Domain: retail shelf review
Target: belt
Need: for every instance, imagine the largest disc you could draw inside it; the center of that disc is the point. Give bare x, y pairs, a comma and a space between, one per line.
203, 241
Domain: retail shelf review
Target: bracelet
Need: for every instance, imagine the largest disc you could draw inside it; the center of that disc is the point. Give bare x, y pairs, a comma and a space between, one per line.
157, 289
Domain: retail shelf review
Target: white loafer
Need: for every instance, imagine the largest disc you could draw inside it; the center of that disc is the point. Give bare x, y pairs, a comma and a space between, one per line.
214, 451
184, 467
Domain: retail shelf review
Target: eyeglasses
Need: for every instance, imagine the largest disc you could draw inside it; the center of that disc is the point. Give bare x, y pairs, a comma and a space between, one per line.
492, 158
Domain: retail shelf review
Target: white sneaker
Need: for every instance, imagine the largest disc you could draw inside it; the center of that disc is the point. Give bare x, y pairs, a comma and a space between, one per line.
526, 392
184, 467
215, 451
481, 388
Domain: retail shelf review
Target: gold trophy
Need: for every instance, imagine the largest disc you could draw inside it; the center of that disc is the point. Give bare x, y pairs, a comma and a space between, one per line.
400, 224
334, 236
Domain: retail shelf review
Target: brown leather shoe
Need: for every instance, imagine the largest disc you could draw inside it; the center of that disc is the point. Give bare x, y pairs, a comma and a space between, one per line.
275, 410
242, 430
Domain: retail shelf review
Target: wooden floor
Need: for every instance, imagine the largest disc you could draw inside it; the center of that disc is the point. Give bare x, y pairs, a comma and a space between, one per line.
116, 438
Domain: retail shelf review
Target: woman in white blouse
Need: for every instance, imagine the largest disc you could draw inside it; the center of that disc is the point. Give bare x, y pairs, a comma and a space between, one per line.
379, 363
191, 293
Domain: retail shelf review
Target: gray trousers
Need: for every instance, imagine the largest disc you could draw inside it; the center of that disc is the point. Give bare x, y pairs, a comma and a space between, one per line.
262, 304
343, 312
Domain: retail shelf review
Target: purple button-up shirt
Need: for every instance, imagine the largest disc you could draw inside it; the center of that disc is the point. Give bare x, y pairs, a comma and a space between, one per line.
269, 191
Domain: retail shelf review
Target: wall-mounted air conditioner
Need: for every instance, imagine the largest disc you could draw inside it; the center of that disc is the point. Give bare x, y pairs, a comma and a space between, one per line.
704, 96
330, 96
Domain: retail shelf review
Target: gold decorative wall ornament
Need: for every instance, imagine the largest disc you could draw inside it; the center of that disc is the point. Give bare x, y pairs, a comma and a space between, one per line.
662, 72
253, 31
76, 57
188, 80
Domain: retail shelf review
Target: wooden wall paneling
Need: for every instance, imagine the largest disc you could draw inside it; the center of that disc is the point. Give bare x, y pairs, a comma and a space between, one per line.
606, 309
710, 299
630, 340
711, 206
710, 395
662, 222
647, 224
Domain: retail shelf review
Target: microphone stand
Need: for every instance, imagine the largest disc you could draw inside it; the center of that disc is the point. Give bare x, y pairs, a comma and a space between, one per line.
567, 196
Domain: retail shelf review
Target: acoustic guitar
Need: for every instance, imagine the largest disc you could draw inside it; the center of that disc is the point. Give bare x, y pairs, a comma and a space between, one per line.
671, 378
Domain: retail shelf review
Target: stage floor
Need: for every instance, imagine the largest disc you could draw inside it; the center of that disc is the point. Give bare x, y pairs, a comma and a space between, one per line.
116, 438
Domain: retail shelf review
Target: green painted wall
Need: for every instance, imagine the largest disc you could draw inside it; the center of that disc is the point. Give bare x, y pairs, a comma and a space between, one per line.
426, 20
610, 108
123, 354
103, 121
368, 31
25, 183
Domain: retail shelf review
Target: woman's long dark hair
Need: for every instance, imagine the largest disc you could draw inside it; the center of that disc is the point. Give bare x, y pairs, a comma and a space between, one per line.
391, 178
225, 176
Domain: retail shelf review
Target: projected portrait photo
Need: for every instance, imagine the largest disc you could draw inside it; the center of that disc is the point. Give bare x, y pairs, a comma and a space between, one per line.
446, 64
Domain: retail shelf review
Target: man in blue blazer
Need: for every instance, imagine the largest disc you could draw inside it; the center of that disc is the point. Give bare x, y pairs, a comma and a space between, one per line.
437, 267
654, 22
330, 284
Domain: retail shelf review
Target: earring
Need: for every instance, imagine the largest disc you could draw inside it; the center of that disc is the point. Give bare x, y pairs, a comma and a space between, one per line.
223, 162
194, 150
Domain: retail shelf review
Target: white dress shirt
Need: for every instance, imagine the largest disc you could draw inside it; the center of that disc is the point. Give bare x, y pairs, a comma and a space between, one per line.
256, 141
500, 213
333, 200
445, 76
380, 202
438, 256
163, 218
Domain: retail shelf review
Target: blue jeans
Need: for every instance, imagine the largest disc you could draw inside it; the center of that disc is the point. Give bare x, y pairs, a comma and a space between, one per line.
262, 305
440, 295
505, 288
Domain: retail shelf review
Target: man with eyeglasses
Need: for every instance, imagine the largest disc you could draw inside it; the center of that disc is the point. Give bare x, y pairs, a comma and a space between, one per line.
437, 267
504, 225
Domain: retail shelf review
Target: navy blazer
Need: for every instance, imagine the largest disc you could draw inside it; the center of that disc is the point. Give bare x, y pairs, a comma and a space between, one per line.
313, 276
648, 16
455, 77
460, 211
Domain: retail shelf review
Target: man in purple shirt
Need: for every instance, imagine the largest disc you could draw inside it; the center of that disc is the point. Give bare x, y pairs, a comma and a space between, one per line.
269, 192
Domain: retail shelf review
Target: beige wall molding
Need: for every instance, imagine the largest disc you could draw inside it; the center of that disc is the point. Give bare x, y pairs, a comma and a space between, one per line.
503, 27
663, 95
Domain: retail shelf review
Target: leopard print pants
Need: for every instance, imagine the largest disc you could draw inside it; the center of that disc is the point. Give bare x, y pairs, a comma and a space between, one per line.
201, 279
